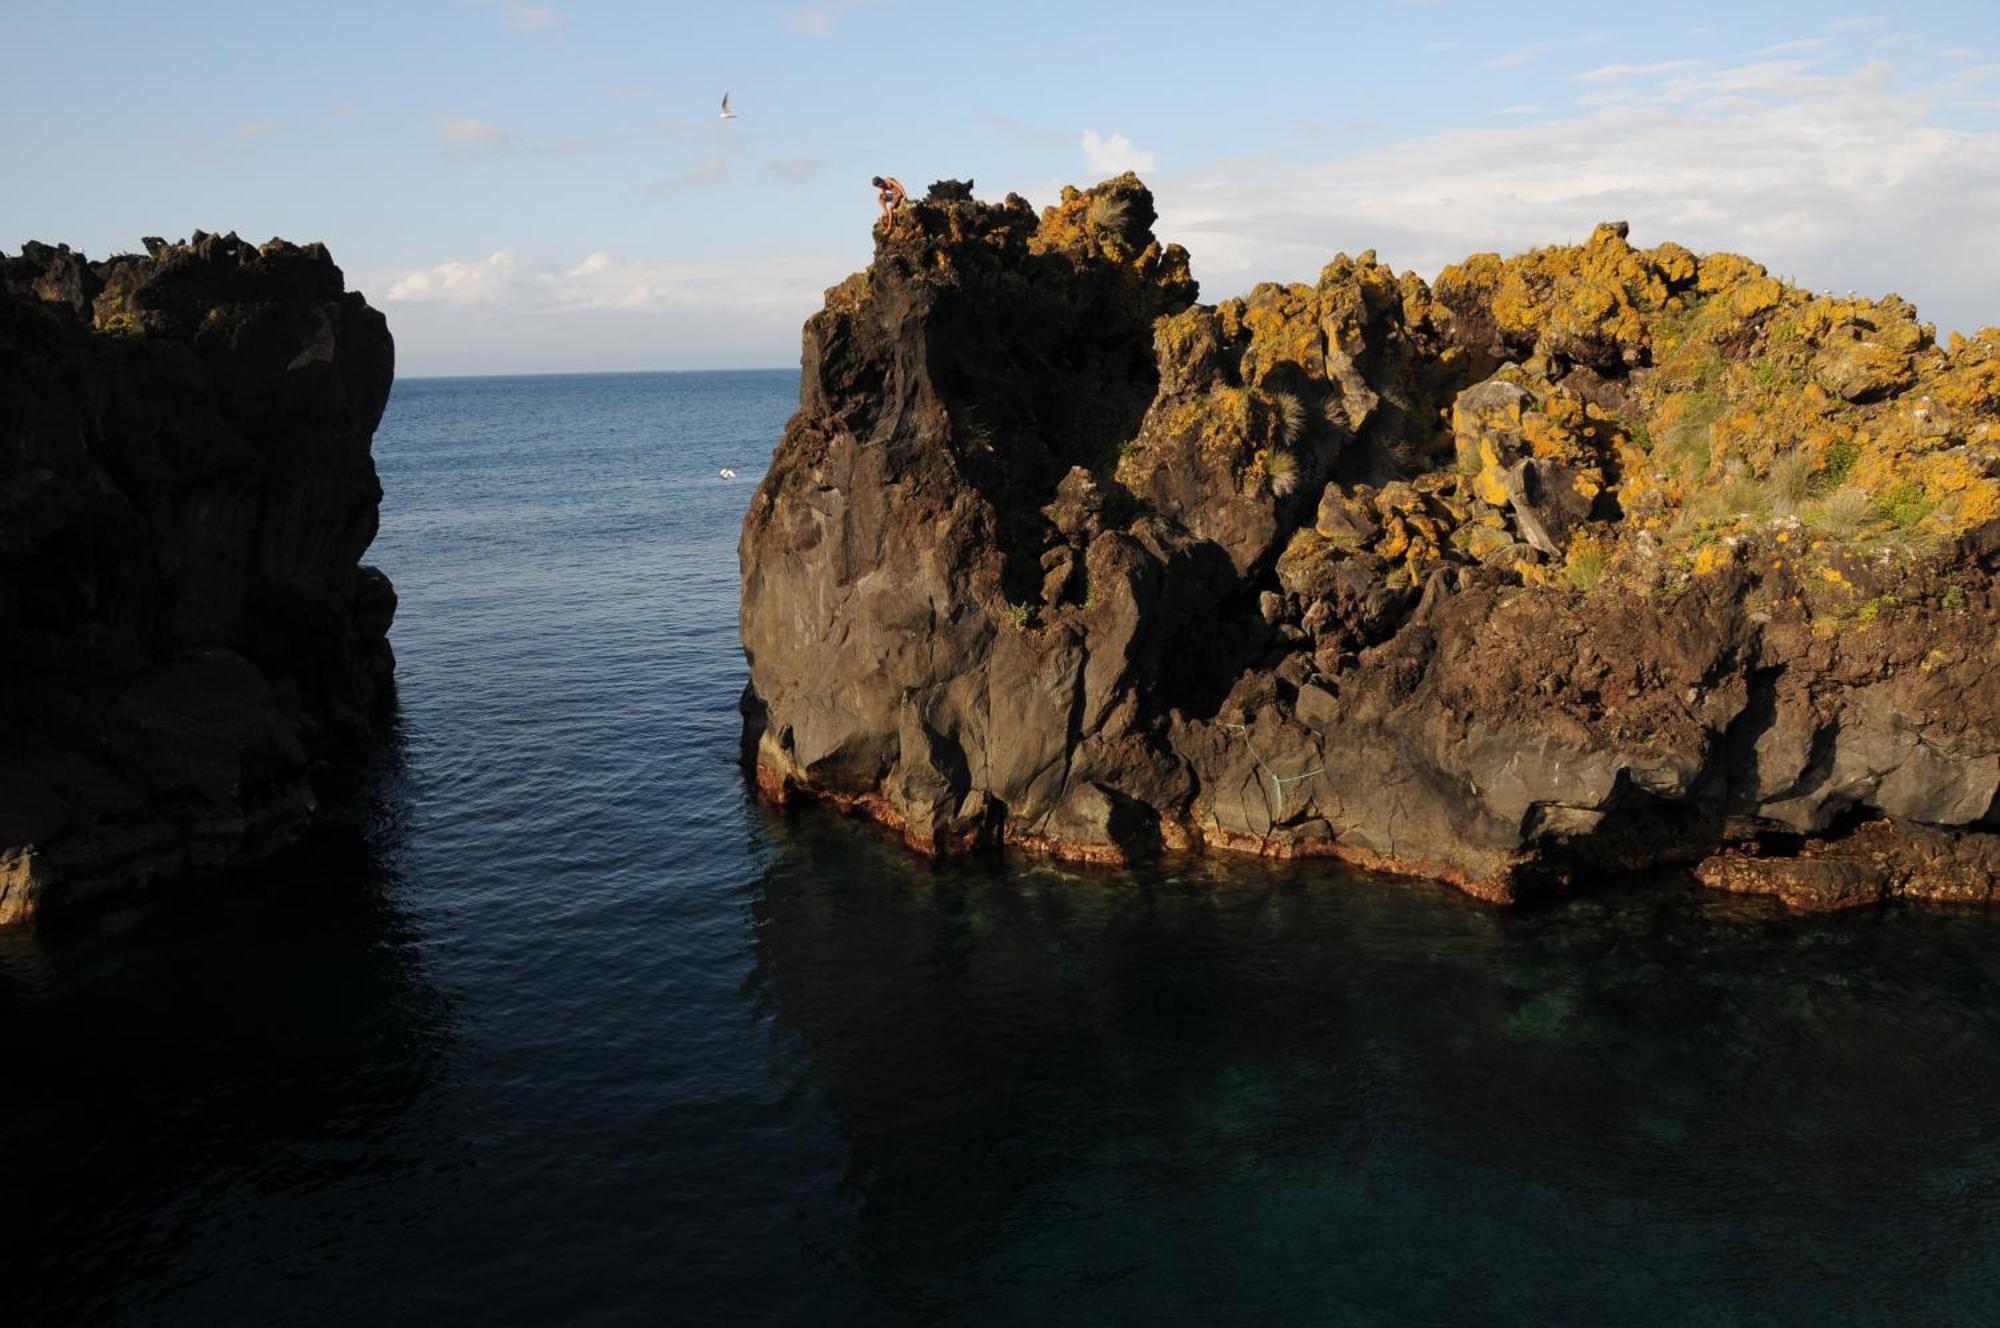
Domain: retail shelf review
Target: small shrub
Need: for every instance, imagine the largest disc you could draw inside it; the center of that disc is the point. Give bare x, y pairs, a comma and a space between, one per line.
1020, 616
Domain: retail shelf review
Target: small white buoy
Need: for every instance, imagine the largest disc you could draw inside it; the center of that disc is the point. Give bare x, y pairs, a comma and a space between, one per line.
727, 473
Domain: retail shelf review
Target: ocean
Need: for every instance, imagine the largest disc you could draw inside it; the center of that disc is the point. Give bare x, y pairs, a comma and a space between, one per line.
554, 1023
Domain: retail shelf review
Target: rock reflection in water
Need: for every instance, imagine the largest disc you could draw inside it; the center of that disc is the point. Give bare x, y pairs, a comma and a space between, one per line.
202, 1077
1234, 1089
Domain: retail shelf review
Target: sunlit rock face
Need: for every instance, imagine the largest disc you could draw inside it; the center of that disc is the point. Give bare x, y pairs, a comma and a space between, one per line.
1595, 558
186, 491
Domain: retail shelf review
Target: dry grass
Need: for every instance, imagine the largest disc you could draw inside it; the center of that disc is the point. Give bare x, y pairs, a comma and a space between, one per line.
1283, 468
1787, 482
1291, 416
1110, 213
1842, 513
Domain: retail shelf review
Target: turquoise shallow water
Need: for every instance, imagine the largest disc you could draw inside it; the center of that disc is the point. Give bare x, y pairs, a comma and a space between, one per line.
557, 1025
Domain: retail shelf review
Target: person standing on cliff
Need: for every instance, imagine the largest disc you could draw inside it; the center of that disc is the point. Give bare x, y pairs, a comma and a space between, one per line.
891, 195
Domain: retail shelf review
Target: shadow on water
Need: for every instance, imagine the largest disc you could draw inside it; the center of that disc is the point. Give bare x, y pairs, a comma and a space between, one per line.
214, 1065
1239, 1090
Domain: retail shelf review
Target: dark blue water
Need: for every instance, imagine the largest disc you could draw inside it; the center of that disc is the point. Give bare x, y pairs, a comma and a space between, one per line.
557, 1025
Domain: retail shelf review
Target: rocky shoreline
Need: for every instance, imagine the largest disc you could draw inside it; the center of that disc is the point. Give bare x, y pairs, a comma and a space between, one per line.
1597, 558
186, 491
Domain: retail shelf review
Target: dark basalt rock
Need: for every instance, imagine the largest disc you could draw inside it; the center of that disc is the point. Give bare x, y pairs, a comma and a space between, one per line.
185, 494
1052, 556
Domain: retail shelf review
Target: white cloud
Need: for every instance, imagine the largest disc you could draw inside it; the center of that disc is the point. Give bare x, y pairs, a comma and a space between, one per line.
794, 170
1615, 73
463, 136
818, 20
530, 18
1844, 180
506, 312
1113, 155
603, 280
1520, 55
710, 171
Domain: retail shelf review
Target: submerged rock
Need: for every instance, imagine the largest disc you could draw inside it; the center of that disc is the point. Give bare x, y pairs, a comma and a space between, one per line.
1591, 559
185, 494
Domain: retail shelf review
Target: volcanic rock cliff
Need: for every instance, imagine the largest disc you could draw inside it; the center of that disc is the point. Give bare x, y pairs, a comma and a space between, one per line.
1589, 559
186, 489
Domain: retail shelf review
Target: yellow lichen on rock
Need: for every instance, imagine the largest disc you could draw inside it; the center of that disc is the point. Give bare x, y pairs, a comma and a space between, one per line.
1557, 408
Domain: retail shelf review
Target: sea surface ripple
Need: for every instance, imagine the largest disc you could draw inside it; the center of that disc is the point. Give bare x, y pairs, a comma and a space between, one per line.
556, 1024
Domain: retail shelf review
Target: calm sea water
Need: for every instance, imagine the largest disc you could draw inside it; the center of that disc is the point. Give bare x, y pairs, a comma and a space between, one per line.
557, 1025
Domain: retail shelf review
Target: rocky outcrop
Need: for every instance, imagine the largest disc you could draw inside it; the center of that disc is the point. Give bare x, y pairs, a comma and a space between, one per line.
1590, 559
185, 494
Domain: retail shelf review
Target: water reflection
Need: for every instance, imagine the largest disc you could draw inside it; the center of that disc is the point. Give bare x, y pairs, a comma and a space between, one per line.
211, 1068
1255, 1090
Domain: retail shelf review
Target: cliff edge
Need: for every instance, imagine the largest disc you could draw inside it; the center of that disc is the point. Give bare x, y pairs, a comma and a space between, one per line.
185, 494
1594, 558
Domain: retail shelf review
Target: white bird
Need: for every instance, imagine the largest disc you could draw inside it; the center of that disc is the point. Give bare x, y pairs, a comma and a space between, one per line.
727, 473
727, 114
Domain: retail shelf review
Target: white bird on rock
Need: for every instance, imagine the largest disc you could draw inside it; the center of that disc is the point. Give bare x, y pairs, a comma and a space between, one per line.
727, 114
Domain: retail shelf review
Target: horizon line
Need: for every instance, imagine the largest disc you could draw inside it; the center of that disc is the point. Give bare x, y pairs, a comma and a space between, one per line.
594, 373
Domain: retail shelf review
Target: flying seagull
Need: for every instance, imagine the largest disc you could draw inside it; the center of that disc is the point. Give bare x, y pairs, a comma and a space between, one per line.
727, 114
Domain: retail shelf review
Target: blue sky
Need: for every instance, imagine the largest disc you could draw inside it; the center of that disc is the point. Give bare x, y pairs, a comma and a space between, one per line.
545, 187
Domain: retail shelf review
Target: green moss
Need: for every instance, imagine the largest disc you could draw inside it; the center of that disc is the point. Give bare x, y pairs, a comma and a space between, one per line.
1840, 459
1905, 505
1875, 608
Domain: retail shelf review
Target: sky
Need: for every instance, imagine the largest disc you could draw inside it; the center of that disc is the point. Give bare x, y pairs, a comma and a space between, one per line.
546, 187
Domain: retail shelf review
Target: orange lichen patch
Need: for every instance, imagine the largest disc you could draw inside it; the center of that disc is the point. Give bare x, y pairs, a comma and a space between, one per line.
1703, 401
1589, 304
1112, 220
1282, 331
1713, 558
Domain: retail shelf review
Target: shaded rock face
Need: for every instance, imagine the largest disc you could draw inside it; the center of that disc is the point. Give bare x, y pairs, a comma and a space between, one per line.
1475, 583
185, 494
